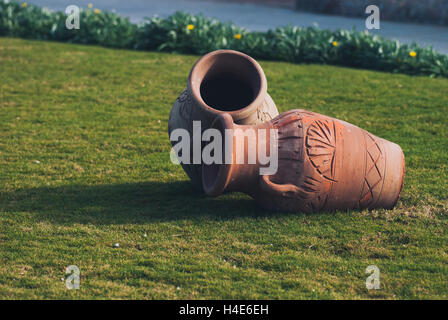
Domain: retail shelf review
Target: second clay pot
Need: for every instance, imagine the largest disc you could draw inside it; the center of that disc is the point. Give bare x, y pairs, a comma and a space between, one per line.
324, 164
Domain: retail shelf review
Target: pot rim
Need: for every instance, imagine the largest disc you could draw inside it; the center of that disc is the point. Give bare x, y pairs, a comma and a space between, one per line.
239, 114
223, 175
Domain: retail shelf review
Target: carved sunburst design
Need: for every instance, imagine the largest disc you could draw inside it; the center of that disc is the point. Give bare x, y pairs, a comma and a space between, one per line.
321, 146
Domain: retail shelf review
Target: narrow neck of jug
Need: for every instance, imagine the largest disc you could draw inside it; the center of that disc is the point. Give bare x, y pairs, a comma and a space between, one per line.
243, 160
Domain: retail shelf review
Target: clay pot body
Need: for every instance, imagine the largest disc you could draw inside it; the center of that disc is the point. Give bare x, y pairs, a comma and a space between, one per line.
221, 81
324, 164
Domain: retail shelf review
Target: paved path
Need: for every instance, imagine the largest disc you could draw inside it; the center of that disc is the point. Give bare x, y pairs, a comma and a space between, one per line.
259, 17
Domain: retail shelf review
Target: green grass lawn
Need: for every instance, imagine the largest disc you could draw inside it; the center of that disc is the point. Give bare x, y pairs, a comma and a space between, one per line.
84, 164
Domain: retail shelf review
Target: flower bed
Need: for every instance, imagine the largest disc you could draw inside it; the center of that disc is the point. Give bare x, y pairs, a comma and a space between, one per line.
196, 34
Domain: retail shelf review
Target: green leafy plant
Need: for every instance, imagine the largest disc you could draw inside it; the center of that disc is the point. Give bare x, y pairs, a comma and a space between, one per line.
196, 34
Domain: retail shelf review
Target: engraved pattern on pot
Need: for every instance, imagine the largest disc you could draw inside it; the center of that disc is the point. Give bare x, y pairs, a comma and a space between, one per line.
375, 170
321, 147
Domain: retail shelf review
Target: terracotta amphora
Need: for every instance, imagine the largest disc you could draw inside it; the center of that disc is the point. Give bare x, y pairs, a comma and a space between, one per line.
324, 164
221, 81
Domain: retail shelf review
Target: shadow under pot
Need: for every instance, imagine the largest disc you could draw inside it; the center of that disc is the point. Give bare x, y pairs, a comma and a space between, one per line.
315, 163
223, 81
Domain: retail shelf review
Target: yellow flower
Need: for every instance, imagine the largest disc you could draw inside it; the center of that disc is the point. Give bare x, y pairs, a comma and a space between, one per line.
90, 6
237, 36
96, 11
24, 4
335, 43
190, 27
413, 54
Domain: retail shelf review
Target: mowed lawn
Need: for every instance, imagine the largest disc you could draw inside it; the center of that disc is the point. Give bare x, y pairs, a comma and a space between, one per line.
84, 164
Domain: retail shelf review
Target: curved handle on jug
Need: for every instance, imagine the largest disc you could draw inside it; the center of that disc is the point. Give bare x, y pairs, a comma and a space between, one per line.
280, 190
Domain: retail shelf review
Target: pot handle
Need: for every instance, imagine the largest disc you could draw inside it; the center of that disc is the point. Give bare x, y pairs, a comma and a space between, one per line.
280, 190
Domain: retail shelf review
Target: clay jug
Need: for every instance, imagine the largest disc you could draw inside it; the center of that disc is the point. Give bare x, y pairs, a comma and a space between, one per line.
324, 164
221, 81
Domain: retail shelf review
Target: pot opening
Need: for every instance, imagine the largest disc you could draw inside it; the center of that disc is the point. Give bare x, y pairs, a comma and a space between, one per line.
226, 92
228, 81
